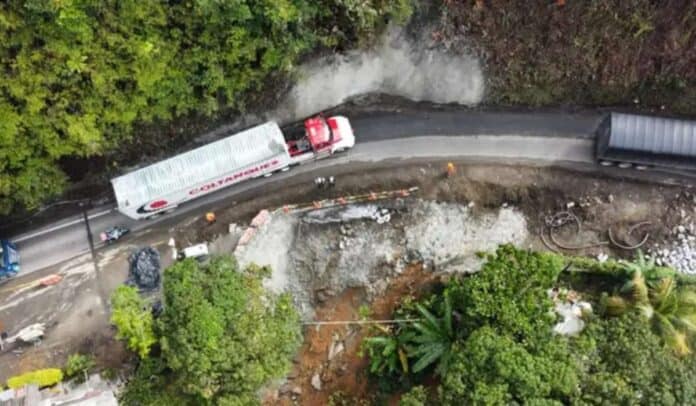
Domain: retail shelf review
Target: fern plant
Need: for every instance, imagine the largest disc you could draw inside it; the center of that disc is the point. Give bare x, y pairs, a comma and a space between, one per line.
430, 339
671, 312
387, 353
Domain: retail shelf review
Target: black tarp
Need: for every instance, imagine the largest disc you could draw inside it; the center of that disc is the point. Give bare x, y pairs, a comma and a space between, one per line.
145, 268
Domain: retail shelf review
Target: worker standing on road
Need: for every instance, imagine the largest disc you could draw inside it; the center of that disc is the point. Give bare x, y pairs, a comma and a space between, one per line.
210, 217
451, 170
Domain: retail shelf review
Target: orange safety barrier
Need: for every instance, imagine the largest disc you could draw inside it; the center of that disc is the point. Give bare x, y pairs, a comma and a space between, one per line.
316, 204
373, 196
341, 200
286, 209
404, 192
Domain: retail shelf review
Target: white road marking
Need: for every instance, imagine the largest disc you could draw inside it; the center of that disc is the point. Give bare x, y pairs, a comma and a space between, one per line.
60, 226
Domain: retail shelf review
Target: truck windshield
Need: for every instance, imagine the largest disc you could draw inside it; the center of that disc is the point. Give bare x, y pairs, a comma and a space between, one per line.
14, 256
331, 133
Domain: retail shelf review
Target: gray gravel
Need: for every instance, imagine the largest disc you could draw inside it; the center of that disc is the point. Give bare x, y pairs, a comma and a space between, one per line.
319, 254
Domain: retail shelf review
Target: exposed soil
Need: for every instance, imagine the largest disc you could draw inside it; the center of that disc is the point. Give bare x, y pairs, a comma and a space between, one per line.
599, 200
347, 372
77, 319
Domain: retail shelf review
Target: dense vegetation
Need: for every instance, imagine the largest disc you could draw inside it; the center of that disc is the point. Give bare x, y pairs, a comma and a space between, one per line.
489, 337
220, 338
582, 52
77, 75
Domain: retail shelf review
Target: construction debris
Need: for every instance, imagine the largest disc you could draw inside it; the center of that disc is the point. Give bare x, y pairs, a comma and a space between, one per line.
335, 348
349, 213
382, 216
198, 251
553, 224
316, 381
568, 305
31, 334
314, 252
346, 200
50, 280
602, 257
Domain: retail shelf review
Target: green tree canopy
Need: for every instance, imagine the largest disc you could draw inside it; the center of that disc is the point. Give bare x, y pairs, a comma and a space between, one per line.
509, 293
505, 351
494, 366
133, 320
222, 335
626, 363
77, 74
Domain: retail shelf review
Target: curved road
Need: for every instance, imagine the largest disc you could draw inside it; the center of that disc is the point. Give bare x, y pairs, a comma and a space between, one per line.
550, 138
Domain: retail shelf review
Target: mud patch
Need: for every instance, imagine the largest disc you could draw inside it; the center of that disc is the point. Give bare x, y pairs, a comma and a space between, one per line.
347, 370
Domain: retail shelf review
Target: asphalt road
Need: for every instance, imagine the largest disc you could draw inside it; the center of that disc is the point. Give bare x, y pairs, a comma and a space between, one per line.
552, 138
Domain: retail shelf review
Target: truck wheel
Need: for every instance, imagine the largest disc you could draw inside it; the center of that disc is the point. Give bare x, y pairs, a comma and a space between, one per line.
625, 165
267, 175
606, 163
641, 167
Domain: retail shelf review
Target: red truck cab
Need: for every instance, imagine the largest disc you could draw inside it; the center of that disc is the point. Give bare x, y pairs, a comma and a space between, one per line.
322, 136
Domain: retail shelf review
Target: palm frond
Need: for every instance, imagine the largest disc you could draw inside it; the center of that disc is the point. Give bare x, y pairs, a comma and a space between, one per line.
639, 288
404, 360
426, 329
646, 310
663, 293
425, 349
615, 305
686, 323
664, 327
432, 321
424, 338
687, 302
428, 358
447, 317
378, 340
678, 343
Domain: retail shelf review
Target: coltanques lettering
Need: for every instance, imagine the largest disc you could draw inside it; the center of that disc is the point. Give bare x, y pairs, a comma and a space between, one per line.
220, 182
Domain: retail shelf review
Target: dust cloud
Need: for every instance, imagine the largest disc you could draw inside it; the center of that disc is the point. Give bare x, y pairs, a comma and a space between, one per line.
397, 66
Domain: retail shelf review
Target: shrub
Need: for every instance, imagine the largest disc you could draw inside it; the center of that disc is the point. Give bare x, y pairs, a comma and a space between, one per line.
509, 292
41, 377
77, 365
133, 320
416, 396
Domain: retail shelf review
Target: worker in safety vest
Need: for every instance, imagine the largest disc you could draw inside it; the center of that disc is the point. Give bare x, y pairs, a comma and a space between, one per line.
451, 170
210, 217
